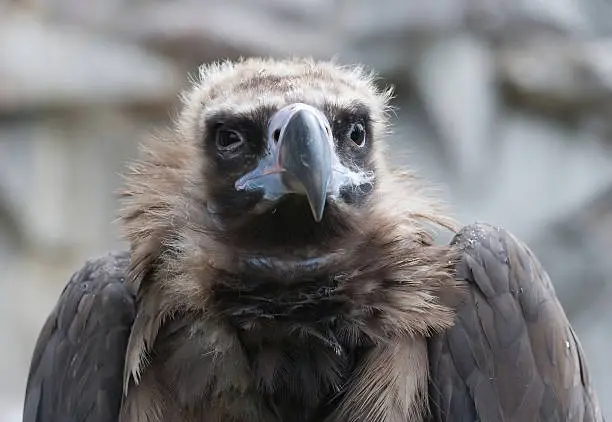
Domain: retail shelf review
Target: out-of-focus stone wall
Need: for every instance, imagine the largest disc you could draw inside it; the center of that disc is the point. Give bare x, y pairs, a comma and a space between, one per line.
505, 106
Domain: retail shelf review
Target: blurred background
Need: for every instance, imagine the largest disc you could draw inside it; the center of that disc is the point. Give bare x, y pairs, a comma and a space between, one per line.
504, 105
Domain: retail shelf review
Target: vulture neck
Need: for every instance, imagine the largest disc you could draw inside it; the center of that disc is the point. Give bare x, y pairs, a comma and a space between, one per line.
377, 285
348, 325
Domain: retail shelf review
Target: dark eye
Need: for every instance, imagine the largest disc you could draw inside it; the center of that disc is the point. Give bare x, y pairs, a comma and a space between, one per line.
228, 140
357, 134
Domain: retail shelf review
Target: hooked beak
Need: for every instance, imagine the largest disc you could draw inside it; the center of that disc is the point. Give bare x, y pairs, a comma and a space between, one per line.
304, 154
301, 158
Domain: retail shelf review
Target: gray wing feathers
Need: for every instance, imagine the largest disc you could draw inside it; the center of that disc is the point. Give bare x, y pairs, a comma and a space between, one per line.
512, 354
77, 366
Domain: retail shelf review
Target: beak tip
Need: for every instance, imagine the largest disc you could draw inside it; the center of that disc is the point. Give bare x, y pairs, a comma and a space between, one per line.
318, 208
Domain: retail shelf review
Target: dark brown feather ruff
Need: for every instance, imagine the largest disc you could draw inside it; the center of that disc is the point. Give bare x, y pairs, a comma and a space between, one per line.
243, 331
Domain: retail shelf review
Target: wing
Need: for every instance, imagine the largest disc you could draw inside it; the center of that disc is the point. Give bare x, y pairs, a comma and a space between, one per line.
512, 355
77, 366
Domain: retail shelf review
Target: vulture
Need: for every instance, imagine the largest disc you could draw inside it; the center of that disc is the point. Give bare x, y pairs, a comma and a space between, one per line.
279, 270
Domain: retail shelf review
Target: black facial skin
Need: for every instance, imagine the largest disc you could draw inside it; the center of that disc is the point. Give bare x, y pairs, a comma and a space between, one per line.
352, 133
345, 125
227, 165
236, 143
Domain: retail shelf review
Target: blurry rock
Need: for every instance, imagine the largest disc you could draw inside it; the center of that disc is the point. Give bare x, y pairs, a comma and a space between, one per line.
44, 66
11, 228
588, 293
567, 16
599, 16
455, 79
444, 17
543, 170
239, 27
559, 74
576, 253
593, 329
197, 31
68, 165
381, 34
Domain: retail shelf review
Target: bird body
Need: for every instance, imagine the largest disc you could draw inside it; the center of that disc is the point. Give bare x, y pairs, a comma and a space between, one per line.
279, 271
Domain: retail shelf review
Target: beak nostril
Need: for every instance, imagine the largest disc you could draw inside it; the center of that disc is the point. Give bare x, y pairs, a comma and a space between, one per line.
276, 135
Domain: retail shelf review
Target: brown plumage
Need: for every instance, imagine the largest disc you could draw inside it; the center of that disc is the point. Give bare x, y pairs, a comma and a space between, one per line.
291, 297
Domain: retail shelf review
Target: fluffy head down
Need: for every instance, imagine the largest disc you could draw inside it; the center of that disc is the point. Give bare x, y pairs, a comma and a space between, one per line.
241, 87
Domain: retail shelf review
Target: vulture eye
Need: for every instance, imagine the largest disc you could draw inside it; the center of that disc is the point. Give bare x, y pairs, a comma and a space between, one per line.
357, 134
228, 140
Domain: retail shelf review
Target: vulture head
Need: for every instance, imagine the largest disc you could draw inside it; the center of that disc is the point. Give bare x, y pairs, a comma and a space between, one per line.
288, 151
